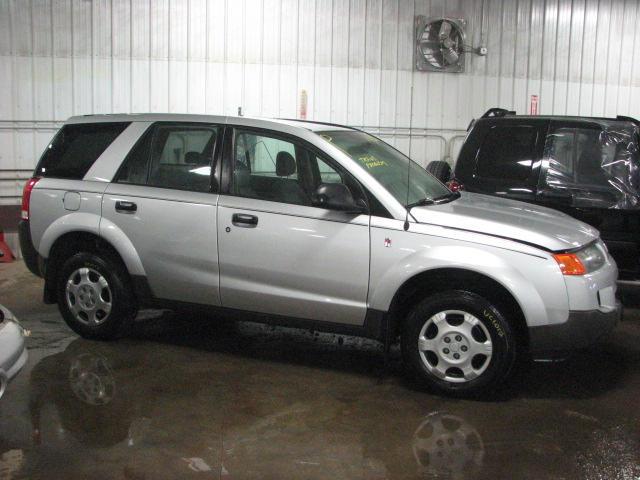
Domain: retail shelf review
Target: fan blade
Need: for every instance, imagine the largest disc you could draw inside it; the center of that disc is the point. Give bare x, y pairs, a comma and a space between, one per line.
445, 30
450, 56
429, 43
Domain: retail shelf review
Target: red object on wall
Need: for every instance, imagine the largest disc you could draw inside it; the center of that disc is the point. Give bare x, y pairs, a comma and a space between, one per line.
5, 253
303, 104
534, 105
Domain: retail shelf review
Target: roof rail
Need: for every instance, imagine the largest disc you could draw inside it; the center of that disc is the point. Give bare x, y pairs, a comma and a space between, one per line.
319, 123
498, 112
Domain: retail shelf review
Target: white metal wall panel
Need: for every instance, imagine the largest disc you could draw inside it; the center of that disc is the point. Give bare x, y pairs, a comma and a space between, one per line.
354, 59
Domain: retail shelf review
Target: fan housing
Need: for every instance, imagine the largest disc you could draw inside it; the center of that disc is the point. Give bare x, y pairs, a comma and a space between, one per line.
440, 44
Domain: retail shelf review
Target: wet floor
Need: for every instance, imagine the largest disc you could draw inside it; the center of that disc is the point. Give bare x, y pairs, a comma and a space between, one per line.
202, 398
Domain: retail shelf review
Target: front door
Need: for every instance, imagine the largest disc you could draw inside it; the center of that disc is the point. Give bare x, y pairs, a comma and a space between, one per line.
162, 201
278, 253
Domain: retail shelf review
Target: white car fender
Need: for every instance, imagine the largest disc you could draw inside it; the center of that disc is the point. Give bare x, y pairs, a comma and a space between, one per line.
528, 278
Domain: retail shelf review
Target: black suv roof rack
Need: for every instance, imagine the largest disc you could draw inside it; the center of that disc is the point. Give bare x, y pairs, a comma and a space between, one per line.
498, 112
628, 119
503, 112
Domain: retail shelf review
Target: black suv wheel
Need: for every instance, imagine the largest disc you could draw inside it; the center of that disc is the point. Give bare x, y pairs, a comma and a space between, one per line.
458, 343
94, 296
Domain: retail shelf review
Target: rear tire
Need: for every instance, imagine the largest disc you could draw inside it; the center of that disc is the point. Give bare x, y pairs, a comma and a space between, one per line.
95, 297
458, 343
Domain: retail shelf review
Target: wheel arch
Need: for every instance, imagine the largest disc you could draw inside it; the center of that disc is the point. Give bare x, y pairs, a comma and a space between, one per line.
436, 280
68, 244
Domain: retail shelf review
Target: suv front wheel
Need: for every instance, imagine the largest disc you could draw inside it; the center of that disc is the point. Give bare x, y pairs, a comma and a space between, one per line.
458, 343
94, 296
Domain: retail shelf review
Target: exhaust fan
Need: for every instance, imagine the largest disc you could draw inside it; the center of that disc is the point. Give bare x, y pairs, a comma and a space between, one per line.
440, 44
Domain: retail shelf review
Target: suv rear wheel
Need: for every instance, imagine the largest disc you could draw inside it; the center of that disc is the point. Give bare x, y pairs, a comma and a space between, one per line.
458, 343
94, 296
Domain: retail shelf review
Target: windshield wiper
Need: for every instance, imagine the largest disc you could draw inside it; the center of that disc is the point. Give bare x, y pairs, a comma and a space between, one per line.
446, 197
432, 201
420, 203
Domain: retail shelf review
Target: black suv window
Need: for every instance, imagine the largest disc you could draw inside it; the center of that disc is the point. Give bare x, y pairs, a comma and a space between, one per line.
177, 156
75, 148
507, 152
575, 155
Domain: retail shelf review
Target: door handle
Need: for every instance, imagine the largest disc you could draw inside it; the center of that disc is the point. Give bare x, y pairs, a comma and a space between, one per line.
244, 220
126, 207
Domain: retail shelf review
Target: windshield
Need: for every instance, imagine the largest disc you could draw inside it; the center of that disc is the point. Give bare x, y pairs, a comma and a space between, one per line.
389, 167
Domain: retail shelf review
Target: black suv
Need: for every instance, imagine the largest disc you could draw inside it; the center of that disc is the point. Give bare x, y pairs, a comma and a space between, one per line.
585, 167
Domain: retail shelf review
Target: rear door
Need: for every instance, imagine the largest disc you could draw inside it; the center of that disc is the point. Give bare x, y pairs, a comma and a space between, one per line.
163, 200
502, 158
279, 254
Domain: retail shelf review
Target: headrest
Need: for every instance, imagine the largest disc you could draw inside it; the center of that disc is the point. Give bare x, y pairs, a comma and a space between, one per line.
285, 164
195, 158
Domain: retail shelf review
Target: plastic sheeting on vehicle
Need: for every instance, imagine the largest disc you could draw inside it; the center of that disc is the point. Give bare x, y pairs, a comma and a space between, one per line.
593, 165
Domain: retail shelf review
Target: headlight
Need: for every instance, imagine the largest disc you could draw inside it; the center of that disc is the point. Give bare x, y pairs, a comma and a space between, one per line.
7, 316
587, 260
593, 257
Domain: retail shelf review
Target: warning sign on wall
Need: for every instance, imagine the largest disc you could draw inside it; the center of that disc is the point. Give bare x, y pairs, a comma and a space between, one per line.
533, 109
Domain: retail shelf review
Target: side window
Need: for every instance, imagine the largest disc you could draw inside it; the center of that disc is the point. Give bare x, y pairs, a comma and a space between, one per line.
75, 148
327, 173
266, 167
172, 156
506, 153
135, 167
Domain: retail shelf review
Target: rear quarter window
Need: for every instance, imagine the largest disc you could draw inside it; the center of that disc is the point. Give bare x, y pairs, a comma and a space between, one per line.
75, 148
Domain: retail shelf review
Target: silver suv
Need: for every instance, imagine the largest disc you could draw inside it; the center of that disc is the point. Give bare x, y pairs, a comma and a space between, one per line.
308, 224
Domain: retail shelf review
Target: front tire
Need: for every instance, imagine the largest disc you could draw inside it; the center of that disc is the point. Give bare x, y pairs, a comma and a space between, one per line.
95, 296
458, 343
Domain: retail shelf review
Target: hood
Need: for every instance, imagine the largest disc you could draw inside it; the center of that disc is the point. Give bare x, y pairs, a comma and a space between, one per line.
519, 221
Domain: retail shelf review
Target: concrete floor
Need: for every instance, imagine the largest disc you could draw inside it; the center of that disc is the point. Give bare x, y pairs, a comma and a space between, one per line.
202, 398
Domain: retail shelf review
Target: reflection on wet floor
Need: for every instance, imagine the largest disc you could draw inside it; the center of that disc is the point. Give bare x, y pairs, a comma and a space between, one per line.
189, 397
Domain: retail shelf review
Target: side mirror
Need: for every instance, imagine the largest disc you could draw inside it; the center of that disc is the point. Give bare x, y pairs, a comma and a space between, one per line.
337, 196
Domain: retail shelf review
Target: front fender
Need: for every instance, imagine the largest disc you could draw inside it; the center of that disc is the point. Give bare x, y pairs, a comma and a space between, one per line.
534, 281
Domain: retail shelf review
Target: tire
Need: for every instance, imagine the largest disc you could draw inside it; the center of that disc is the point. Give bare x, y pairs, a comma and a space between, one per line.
95, 296
466, 325
439, 169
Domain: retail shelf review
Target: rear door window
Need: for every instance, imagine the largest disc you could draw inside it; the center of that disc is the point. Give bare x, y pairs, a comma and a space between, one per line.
75, 148
176, 156
507, 152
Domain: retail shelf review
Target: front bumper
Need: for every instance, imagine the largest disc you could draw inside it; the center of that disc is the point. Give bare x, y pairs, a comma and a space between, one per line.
581, 329
13, 353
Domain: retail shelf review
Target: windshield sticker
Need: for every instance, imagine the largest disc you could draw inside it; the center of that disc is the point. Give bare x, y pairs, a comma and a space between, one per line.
370, 162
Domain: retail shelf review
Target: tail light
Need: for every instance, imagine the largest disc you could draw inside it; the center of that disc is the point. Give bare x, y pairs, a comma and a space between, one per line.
454, 185
26, 197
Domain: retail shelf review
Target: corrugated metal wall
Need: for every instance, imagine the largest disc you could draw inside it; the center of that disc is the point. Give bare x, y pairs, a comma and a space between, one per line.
354, 58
